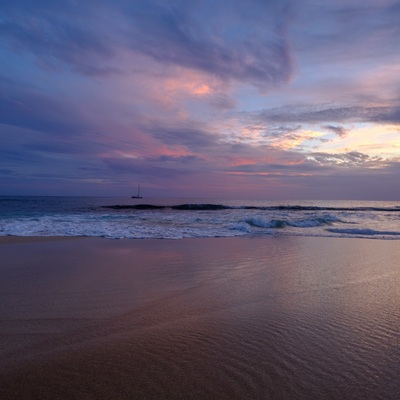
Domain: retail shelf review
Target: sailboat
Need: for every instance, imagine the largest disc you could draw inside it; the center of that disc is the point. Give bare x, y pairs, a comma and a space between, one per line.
138, 196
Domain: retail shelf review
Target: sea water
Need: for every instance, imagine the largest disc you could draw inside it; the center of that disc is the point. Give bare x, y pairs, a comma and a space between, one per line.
178, 218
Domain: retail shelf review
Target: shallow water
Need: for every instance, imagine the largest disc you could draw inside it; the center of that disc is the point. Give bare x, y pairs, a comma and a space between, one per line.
229, 318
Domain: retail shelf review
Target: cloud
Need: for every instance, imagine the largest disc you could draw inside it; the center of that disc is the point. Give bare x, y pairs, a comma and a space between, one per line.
162, 170
281, 131
34, 110
222, 102
347, 30
338, 130
195, 139
226, 39
229, 40
68, 147
310, 113
390, 115
58, 34
184, 160
349, 159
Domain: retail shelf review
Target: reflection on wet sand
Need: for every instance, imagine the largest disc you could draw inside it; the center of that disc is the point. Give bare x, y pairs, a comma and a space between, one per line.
276, 317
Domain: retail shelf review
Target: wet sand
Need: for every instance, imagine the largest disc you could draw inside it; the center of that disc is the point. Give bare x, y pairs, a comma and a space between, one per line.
226, 318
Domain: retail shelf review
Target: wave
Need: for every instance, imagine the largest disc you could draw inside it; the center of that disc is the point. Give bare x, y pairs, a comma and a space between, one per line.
217, 207
363, 232
280, 224
258, 223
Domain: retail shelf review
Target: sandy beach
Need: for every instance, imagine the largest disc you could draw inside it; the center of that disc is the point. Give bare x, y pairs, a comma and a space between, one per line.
226, 318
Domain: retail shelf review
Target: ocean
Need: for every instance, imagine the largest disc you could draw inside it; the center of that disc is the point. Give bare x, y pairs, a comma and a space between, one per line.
113, 217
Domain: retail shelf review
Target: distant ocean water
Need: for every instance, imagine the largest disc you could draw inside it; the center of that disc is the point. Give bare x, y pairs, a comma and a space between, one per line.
179, 218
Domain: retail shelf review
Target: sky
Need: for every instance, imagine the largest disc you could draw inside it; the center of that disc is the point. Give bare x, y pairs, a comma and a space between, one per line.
255, 99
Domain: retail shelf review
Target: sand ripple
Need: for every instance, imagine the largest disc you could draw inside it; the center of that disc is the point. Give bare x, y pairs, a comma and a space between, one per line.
294, 318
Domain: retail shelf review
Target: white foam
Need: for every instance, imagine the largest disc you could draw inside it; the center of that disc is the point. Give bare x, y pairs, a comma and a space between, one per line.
363, 232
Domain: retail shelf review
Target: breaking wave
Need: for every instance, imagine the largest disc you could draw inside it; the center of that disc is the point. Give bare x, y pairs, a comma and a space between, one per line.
303, 223
363, 232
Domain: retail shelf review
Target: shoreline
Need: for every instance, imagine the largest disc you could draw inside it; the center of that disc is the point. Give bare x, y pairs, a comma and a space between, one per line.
10, 239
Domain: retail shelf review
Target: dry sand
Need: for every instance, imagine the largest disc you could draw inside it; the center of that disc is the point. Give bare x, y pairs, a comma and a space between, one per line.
227, 318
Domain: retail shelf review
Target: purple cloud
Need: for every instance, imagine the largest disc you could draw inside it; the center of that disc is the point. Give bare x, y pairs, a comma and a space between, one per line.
228, 40
247, 43
310, 113
338, 130
30, 108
